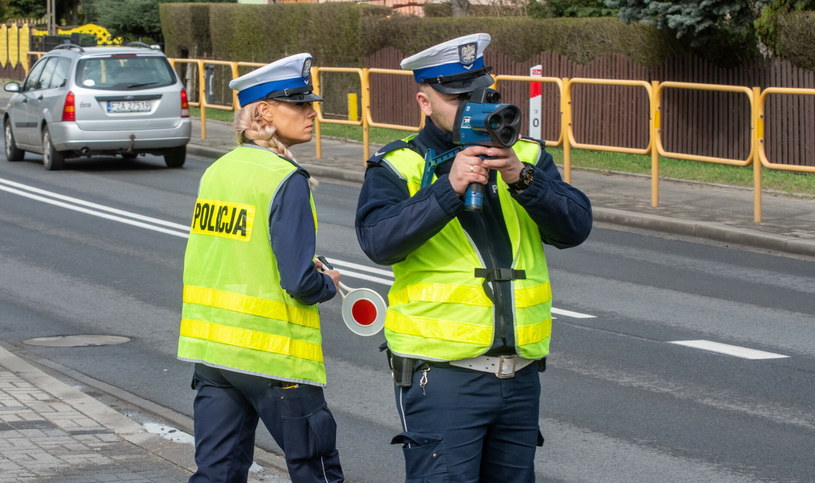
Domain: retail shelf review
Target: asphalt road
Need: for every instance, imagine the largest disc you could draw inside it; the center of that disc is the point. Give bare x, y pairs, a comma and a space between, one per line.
98, 249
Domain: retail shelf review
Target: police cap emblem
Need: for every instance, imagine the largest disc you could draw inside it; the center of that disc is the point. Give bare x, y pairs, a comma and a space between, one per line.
306, 69
467, 53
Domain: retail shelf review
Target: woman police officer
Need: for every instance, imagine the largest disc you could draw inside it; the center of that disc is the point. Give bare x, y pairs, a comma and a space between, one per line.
250, 321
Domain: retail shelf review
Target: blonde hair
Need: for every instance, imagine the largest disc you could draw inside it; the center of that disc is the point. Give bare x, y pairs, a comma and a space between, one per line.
252, 127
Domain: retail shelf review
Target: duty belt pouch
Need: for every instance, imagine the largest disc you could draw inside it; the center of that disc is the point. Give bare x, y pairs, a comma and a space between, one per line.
402, 370
401, 367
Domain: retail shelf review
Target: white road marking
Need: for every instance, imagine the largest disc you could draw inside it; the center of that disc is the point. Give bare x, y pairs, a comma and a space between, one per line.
731, 350
380, 271
94, 209
376, 275
363, 276
569, 313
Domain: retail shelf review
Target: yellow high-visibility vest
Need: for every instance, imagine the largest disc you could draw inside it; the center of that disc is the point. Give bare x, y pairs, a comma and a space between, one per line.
235, 314
437, 307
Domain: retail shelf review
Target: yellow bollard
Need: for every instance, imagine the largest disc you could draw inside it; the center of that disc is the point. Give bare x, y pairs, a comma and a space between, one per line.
353, 112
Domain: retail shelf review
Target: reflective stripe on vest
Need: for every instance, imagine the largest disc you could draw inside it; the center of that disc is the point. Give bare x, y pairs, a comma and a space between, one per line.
437, 307
235, 314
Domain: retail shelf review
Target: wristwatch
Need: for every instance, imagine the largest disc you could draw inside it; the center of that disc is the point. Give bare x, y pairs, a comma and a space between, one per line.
525, 179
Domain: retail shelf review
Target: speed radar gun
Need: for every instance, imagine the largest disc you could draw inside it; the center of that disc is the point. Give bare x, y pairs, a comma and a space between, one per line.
484, 121
363, 310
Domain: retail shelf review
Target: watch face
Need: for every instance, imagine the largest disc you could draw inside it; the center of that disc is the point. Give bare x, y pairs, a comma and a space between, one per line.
527, 173
525, 179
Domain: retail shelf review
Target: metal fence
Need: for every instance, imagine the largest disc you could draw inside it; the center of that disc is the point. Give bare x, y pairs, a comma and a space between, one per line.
617, 115
646, 125
707, 116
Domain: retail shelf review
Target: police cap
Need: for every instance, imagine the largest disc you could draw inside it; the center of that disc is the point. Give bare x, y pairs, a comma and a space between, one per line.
452, 67
286, 80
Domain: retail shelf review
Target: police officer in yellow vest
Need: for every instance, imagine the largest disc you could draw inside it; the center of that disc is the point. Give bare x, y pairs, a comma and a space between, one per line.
468, 324
250, 321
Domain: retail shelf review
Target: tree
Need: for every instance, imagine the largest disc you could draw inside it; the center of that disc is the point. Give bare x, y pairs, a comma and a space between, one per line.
67, 11
705, 23
133, 19
25, 9
696, 21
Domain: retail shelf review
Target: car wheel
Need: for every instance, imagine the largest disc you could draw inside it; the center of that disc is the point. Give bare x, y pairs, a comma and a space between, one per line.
12, 152
175, 157
51, 158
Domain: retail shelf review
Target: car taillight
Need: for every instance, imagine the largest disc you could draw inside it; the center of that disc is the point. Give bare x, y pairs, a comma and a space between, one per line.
69, 108
185, 105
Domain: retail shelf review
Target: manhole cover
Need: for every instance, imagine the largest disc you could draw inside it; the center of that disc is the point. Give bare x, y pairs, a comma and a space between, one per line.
76, 340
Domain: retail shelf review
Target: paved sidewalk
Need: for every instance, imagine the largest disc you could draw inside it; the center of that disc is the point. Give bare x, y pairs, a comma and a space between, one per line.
50, 431
53, 432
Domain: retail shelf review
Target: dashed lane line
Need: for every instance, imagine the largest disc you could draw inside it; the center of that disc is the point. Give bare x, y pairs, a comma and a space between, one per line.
731, 350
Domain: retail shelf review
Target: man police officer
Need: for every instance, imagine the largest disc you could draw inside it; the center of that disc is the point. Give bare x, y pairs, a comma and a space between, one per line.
468, 324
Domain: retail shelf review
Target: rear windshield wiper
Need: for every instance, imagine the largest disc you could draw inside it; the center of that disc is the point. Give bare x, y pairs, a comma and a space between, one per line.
142, 84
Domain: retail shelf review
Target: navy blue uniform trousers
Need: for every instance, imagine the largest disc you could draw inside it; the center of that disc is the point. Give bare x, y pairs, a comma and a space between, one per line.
468, 426
227, 407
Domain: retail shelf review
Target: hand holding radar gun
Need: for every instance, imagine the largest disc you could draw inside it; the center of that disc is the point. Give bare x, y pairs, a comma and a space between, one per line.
363, 310
480, 120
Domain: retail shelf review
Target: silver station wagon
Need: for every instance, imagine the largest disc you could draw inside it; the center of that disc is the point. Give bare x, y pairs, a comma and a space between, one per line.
82, 101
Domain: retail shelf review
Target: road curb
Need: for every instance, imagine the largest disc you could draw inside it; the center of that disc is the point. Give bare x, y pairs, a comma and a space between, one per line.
706, 230
315, 170
333, 173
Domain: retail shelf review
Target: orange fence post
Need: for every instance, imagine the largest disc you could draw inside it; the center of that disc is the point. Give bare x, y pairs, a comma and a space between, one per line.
757, 137
318, 140
366, 107
566, 107
656, 132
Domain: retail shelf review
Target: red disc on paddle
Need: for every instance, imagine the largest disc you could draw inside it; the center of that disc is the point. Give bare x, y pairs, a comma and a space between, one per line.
364, 312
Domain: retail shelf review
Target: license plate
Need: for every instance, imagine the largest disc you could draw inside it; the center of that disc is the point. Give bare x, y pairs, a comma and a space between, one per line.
129, 106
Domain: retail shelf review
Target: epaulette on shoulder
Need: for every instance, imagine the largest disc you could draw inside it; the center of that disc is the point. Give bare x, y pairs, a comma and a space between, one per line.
380, 153
534, 140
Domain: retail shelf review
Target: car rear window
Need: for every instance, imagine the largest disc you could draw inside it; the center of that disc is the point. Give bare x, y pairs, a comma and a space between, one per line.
124, 72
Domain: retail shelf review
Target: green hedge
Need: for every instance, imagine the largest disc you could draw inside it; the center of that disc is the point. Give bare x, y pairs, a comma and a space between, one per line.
344, 34
185, 27
495, 10
795, 40
580, 39
262, 33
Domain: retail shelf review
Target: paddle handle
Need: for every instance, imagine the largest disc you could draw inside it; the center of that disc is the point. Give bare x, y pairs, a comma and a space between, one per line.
344, 290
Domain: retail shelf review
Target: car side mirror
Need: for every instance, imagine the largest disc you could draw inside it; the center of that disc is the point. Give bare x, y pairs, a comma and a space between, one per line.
12, 87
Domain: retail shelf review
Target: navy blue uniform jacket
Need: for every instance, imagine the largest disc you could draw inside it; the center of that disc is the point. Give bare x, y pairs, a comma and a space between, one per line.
293, 239
390, 224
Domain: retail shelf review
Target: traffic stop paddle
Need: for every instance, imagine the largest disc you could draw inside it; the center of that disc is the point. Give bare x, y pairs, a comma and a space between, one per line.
363, 310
